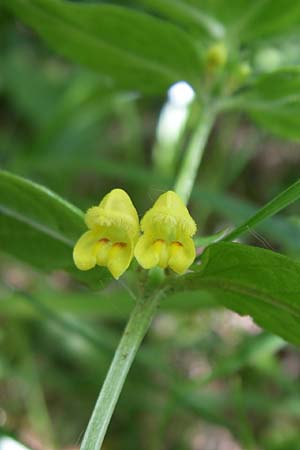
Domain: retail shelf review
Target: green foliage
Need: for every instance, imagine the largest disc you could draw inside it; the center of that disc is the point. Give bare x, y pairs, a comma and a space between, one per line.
39, 227
251, 281
191, 16
250, 21
273, 101
80, 95
132, 49
136, 51
284, 199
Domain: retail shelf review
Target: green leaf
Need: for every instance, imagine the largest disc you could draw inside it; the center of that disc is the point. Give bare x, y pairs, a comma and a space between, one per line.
135, 50
281, 201
204, 241
190, 16
263, 18
273, 101
237, 211
252, 20
41, 228
251, 281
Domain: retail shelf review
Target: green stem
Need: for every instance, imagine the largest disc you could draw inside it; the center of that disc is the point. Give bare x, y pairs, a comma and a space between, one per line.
189, 169
142, 314
137, 326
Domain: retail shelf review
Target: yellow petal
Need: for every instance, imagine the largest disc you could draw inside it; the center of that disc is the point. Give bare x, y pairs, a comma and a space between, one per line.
182, 255
103, 251
114, 230
115, 211
160, 247
85, 250
169, 216
118, 200
119, 258
146, 255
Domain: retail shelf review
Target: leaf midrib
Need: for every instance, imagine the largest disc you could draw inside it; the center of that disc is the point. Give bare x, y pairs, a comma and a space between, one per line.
251, 291
36, 225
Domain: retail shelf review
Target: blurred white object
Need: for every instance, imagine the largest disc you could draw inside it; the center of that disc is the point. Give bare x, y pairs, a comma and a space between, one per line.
181, 94
7, 443
171, 124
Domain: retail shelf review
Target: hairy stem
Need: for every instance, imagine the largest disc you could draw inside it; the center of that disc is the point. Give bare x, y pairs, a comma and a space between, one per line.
137, 326
192, 159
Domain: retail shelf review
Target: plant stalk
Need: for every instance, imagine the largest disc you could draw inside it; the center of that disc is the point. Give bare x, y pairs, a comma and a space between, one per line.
193, 157
136, 328
144, 310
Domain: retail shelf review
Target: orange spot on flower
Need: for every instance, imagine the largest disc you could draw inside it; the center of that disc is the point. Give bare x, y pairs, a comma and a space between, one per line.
120, 244
103, 241
177, 244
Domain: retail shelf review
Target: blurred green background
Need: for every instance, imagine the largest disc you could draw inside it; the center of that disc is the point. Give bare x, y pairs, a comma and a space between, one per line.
205, 379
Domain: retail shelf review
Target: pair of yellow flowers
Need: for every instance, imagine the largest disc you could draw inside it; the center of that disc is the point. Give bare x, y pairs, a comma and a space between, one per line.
114, 235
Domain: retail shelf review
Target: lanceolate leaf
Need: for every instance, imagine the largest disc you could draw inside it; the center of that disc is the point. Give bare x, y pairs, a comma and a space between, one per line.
190, 16
252, 20
41, 228
135, 50
263, 18
251, 281
285, 198
252, 218
204, 241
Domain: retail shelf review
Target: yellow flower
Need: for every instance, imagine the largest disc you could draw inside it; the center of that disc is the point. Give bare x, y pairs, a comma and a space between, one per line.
168, 228
113, 233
